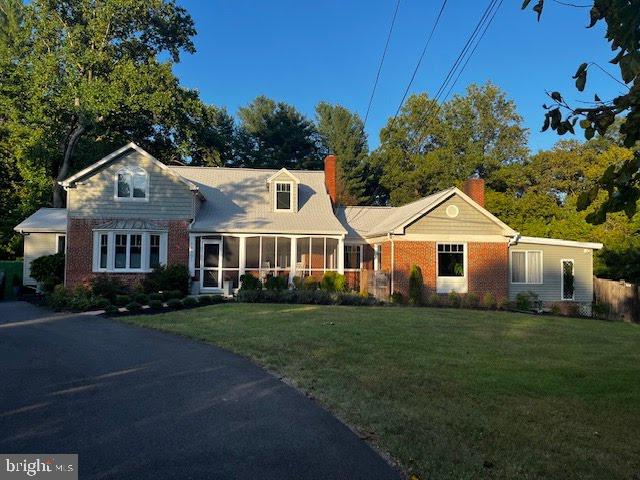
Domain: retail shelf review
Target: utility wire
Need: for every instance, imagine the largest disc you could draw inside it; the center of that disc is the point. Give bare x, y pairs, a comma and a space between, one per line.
384, 53
424, 51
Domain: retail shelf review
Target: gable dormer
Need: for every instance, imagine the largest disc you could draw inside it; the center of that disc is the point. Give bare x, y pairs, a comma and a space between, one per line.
283, 191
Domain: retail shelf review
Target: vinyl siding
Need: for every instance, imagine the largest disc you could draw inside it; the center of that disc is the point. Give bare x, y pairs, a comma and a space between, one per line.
550, 289
169, 198
468, 222
36, 245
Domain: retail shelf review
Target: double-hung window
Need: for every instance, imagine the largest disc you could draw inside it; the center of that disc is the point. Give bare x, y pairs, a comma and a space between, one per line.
129, 251
352, 257
283, 196
526, 266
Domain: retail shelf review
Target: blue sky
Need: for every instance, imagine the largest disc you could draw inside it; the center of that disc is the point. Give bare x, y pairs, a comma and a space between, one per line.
302, 52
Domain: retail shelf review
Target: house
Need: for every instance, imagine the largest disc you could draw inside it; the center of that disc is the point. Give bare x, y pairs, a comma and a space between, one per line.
129, 213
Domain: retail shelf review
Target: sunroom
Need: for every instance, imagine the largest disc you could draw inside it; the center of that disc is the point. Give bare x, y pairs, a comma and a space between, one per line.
217, 262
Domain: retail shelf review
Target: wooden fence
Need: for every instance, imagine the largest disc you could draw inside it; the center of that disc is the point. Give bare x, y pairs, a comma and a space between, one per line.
620, 298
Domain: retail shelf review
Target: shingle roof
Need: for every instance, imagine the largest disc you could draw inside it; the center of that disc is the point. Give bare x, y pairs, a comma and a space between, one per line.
45, 220
237, 200
362, 222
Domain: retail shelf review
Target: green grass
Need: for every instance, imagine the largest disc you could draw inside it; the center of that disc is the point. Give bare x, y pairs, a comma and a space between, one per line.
452, 393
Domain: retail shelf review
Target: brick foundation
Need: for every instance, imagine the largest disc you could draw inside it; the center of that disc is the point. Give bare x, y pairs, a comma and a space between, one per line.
79, 256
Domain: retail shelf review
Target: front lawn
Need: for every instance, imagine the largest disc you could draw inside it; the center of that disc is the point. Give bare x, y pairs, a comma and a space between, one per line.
452, 393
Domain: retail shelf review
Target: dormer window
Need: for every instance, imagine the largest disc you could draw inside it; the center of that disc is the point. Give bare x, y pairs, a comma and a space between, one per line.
132, 184
283, 196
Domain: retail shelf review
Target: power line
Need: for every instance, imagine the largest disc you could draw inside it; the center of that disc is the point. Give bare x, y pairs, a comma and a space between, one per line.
486, 27
384, 53
424, 50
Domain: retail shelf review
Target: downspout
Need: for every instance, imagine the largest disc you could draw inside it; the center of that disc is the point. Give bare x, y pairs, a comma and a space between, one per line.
393, 262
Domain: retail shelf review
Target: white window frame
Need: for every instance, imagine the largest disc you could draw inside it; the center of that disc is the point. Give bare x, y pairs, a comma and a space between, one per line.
111, 246
131, 171
58, 235
275, 196
526, 268
377, 256
573, 271
446, 284
361, 249
203, 269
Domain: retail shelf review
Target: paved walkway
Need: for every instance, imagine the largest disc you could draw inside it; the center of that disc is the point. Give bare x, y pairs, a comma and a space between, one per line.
135, 403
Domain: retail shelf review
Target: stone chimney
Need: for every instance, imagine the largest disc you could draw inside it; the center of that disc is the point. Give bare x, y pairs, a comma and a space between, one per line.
330, 172
474, 187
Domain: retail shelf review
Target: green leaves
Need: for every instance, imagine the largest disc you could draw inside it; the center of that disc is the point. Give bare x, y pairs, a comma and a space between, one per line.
581, 76
538, 8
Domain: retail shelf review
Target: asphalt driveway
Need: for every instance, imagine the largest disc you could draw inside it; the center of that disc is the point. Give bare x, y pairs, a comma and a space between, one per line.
135, 403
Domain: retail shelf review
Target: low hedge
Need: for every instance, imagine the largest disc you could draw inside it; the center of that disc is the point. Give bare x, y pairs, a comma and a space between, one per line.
314, 297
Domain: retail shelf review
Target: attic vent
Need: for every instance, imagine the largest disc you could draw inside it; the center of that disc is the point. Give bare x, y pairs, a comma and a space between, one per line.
452, 211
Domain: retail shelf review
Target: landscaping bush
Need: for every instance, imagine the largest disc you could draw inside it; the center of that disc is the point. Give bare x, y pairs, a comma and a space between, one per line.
454, 299
167, 278
471, 300
59, 299
134, 307
526, 300
601, 310
107, 287
101, 303
190, 302
249, 296
48, 271
310, 283
80, 303
122, 300
397, 298
174, 303
275, 282
416, 285
155, 297
489, 301
333, 282
346, 298
155, 304
298, 282
249, 282
111, 309
506, 304
141, 298
434, 300
205, 300
175, 294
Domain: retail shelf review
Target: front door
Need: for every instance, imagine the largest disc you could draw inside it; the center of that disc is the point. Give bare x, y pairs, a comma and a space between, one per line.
211, 261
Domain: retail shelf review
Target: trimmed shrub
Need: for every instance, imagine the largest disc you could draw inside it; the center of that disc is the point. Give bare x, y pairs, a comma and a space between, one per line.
80, 303
506, 304
525, 301
249, 282
155, 296
345, 298
397, 298
275, 282
155, 304
249, 296
48, 271
434, 300
174, 303
489, 301
189, 302
333, 282
109, 309
298, 282
471, 300
101, 303
59, 298
174, 294
107, 287
134, 307
416, 285
122, 300
205, 300
454, 299
601, 310
310, 283
141, 298
167, 278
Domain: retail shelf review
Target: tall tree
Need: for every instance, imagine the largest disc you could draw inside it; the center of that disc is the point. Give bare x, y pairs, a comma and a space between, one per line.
342, 133
620, 181
95, 76
430, 147
275, 135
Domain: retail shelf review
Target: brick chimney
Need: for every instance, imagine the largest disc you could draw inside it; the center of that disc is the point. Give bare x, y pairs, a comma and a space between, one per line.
330, 172
474, 187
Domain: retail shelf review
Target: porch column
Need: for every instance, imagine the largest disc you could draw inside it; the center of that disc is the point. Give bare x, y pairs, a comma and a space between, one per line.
192, 255
341, 255
242, 255
294, 255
